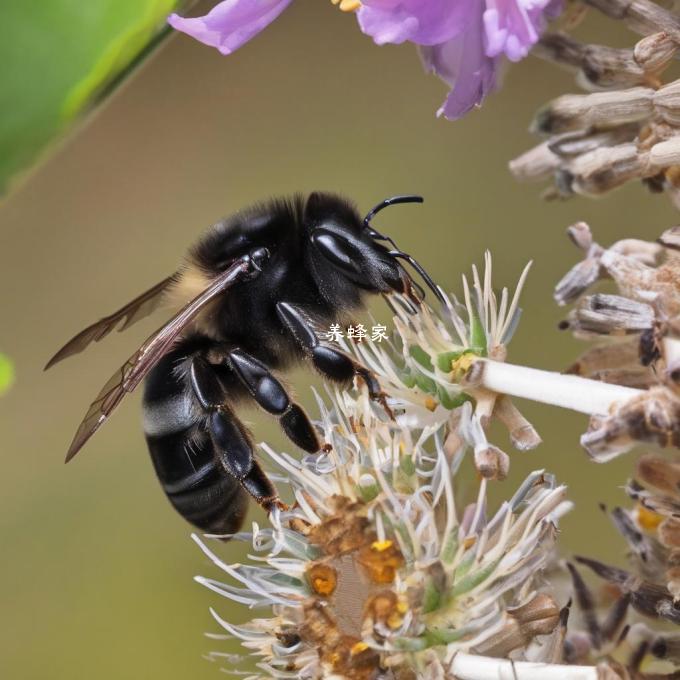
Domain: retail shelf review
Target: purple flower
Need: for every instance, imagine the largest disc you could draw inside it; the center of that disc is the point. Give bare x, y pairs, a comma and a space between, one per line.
476, 34
462, 41
424, 22
512, 27
231, 23
462, 63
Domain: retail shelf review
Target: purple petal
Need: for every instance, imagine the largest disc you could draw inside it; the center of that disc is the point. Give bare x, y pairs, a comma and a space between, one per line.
231, 23
512, 27
463, 63
424, 22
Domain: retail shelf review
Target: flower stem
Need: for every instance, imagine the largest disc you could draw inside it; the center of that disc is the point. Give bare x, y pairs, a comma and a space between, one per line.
473, 667
592, 397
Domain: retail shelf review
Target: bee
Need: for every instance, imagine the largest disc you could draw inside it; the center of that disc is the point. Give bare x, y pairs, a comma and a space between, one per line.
256, 288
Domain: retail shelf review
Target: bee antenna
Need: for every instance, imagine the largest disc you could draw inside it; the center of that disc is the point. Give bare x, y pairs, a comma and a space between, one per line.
394, 200
426, 277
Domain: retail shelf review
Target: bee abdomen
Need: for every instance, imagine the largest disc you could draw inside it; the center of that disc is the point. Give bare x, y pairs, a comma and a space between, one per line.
183, 454
195, 483
170, 414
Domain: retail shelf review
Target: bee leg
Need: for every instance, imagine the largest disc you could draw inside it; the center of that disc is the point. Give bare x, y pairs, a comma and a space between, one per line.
332, 363
231, 440
259, 486
271, 395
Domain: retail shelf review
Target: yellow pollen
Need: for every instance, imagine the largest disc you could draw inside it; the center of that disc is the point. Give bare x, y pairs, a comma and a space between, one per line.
648, 519
460, 366
402, 607
347, 5
358, 648
469, 542
381, 546
430, 403
394, 620
381, 559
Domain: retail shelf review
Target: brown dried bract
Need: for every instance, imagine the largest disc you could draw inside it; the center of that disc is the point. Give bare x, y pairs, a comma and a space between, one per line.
652, 417
343, 531
345, 655
380, 560
625, 128
539, 616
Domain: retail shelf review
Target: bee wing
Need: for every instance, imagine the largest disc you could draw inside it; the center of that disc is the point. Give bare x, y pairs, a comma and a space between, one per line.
132, 312
133, 371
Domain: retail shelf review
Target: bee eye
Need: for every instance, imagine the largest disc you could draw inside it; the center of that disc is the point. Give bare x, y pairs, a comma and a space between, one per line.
338, 251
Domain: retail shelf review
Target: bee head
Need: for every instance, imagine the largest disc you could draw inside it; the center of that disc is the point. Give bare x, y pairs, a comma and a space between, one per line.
397, 252
354, 248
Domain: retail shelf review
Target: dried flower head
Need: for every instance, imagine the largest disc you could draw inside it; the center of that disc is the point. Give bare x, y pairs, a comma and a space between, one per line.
652, 529
636, 333
379, 568
615, 625
628, 624
626, 129
430, 365
636, 346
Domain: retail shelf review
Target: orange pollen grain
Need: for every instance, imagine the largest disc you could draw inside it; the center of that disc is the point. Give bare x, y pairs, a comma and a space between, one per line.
469, 542
381, 546
323, 579
381, 560
648, 519
347, 5
394, 620
358, 648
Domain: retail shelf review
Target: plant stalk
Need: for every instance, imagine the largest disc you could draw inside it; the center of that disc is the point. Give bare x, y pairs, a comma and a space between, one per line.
592, 397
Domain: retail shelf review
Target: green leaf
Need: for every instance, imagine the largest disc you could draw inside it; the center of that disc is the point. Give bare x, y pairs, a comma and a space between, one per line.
407, 465
464, 566
451, 401
6, 374
408, 378
473, 579
411, 644
432, 597
426, 384
433, 637
58, 56
421, 356
443, 636
368, 492
477, 336
445, 359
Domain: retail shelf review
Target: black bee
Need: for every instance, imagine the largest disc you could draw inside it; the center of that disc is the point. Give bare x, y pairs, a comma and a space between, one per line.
259, 284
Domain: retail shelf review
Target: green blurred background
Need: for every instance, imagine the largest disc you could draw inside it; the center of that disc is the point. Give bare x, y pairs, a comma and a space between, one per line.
96, 570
